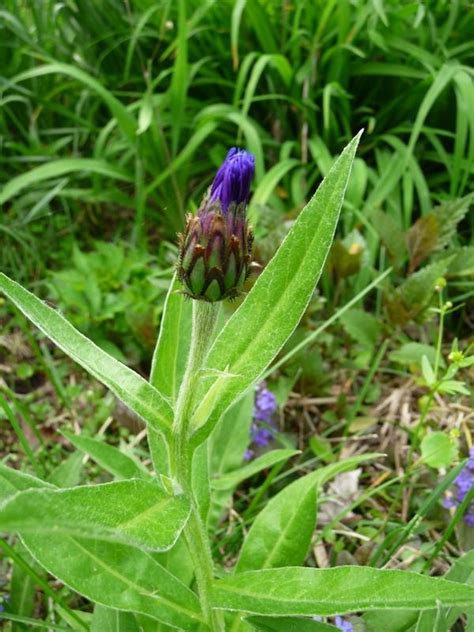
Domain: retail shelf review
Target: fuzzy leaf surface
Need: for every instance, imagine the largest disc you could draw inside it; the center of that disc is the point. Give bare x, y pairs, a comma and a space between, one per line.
256, 332
331, 591
134, 512
127, 385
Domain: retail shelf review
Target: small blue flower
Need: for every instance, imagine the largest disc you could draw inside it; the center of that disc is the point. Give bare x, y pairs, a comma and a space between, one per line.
345, 626
464, 482
261, 430
233, 179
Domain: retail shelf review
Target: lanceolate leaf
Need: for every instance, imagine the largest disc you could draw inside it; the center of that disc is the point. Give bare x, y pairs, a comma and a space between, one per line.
127, 385
171, 352
13, 481
107, 456
258, 329
310, 591
232, 479
118, 576
281, 533
134, 512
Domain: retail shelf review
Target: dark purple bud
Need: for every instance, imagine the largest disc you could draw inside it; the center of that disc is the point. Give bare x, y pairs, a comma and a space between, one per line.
215, 251
231, 185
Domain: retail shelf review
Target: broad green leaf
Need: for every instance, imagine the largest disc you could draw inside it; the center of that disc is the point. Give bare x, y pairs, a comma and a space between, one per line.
117, 576
286, 624
171, 352
438, 449
258, 329
310, 591
129, 579
107, 456
134, 512
127, 385
110, 620
281, 533
232, 479
412, 352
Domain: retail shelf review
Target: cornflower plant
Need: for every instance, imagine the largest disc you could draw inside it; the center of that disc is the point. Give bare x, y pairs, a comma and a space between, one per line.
140, 547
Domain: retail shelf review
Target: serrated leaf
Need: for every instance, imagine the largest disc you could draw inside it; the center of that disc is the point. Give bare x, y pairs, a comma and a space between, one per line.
412, 353
258, 329
127, 385
309, 591
134, 512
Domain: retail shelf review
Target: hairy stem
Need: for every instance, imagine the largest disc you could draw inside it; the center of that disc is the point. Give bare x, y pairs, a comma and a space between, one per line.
204, 320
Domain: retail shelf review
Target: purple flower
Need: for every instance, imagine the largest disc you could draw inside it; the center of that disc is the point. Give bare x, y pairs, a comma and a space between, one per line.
261, 430
345, 626
232, 182
463, 483
216, 245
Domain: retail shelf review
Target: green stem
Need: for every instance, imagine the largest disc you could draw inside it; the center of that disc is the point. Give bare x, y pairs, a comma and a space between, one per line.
204, 320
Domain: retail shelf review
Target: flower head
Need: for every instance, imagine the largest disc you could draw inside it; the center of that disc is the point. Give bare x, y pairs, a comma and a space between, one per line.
231, 185
215, 249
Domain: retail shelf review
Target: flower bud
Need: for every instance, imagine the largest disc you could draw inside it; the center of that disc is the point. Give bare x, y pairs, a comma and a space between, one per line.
215, 248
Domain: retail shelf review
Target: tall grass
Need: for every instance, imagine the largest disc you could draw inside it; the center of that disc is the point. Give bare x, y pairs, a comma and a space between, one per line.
117, 115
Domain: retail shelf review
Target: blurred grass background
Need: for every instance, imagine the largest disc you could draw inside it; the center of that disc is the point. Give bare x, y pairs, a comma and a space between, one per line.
115, 114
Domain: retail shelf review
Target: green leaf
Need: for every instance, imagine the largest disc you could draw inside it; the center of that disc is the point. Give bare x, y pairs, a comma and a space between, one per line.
127, 385
232, 479
286, 624
412, 353
171, 351
427, 371
438, 450
13, 481
227, 445
107, 456
362, 326
309, 591
129, 579
117, 576
258, 329
134, 512
281, 533
113, 620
